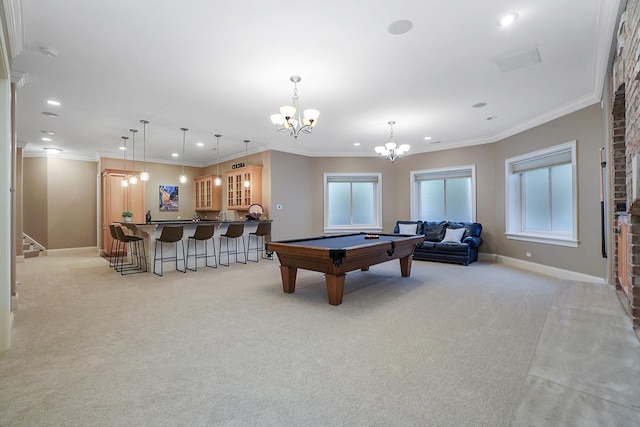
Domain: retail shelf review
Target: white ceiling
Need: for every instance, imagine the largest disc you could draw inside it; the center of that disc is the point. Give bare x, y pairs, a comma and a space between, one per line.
224, 67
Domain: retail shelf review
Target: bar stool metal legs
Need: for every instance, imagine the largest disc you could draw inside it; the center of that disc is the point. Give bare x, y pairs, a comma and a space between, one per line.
234, 232
262, 233
137, 255
203, 233
169, 235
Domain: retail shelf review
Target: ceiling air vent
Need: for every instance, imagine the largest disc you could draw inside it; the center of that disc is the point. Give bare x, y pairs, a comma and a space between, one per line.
518, 60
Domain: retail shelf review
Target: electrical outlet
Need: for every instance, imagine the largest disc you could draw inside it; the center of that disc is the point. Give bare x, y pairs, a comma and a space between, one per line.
528, 254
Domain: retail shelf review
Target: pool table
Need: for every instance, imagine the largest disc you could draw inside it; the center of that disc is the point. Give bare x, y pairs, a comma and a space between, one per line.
336, 255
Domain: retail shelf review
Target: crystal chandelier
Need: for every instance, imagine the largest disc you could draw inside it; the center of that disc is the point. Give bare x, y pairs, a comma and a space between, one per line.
289, 117
391, 150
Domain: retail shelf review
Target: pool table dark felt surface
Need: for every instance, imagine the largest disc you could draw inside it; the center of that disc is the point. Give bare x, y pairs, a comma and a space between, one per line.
337, 255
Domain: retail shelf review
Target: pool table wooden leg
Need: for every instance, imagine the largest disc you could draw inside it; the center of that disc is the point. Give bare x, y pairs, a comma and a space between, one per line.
405, 266
288, 278
335, 288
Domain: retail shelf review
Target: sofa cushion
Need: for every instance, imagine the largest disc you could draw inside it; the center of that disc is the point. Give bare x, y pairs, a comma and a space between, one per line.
407, 228
471, 228
451, 248
433, 231
453, 235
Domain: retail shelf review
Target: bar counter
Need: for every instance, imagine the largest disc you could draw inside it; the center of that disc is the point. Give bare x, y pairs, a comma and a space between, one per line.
151, 231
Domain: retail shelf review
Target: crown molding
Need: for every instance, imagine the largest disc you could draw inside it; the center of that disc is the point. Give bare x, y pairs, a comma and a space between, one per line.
12, 11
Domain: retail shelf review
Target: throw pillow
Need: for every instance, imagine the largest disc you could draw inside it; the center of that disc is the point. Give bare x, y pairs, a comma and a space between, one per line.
407, 228
453, 235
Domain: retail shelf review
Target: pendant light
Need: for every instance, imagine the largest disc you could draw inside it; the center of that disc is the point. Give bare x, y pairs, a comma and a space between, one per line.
124, 182
217, 181
246, 183
183, 178
133, 179
144, 175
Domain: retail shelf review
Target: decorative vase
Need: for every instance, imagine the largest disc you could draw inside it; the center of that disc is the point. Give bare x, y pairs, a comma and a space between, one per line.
127, 219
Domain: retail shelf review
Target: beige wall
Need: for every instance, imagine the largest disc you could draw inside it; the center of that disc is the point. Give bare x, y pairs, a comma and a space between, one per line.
296, 183
71, 200
35, 200
292, 178
487, 171
59, 202
585, 127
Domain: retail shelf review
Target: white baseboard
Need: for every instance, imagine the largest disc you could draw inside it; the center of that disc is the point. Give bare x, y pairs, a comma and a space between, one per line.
543, 269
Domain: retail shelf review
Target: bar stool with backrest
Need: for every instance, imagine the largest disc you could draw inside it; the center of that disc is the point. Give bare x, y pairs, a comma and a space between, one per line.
203, 233
113, 256
235, 232
262, 234
170, 235
135, 244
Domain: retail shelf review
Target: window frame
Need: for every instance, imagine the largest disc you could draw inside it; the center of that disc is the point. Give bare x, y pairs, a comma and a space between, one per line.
514, 215
414, 206
377, 202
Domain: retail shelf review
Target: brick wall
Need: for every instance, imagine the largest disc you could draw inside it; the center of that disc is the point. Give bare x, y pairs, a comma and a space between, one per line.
625, 145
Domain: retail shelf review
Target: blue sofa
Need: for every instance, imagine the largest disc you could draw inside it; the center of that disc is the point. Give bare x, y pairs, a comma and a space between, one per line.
458, 245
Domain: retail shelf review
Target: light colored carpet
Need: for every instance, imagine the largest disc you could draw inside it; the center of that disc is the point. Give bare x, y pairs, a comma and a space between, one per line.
448, 346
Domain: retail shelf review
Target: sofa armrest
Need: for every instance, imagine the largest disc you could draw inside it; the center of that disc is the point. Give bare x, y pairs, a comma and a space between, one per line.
473, 241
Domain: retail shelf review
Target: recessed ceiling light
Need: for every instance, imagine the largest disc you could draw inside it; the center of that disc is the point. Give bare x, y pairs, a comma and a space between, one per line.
174, 154
52, 150
49, 114
399, 27
48, 132
357, 144
507, 19
427, 138
122, 147
49, 51
44, 138
53, 102
200, 144
479, 105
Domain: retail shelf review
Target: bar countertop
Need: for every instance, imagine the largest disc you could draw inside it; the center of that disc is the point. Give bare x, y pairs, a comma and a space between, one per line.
190, 221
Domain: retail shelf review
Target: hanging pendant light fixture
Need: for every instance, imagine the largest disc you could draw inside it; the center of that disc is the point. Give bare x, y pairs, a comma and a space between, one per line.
183, 178
133, 179
144, 175
289, 117
246, 182
124, 182
217, 181
391, 150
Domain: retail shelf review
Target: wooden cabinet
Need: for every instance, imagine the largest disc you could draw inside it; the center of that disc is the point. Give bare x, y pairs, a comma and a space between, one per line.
116, 198
208, 195
240, 197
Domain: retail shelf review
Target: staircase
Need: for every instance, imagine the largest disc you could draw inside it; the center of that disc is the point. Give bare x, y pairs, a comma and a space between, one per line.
31, 248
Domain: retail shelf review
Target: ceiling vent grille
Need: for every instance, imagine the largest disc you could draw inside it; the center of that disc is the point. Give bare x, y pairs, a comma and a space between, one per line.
518, 60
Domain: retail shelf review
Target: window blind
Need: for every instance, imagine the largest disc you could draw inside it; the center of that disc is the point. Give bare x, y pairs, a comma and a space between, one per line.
548, 160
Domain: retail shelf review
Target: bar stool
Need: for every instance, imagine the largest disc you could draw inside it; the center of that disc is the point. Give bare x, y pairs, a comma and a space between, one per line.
262, 233
169, 235
134, 242
203, 233
235, 232
113, 256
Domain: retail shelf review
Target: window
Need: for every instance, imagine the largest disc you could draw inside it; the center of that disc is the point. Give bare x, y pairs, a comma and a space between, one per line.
353, 202
444, 194
541, 195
